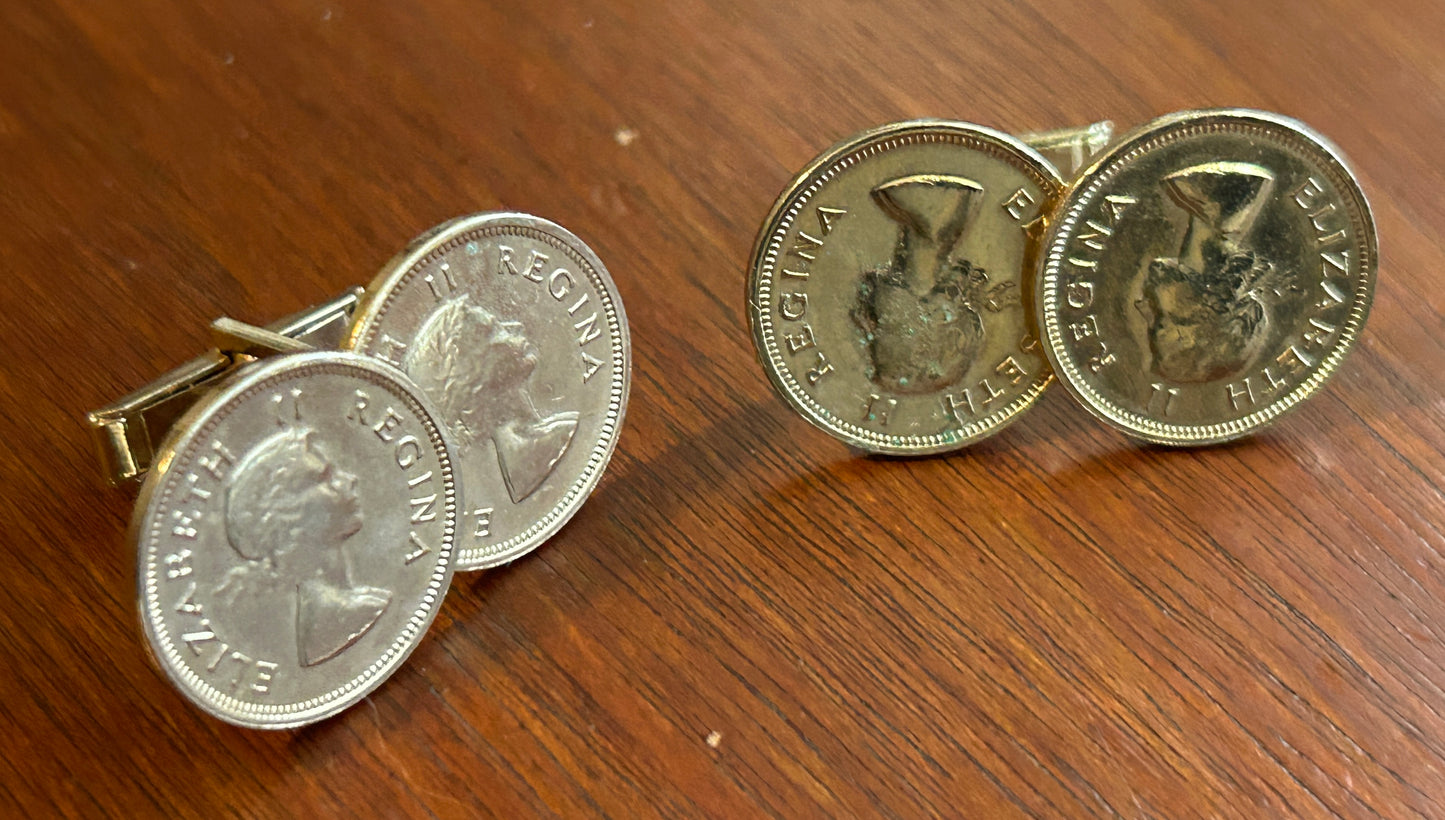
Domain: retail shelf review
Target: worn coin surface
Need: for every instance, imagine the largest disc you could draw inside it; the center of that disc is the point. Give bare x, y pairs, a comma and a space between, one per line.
1206, 274
295, 538
886, 291
513, 327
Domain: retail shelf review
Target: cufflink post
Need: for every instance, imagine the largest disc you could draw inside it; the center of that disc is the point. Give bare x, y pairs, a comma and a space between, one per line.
1069, 148
128, 431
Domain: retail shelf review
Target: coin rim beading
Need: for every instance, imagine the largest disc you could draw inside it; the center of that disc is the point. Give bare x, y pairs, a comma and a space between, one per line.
446, 237
789, 206
149, 524
1283, 132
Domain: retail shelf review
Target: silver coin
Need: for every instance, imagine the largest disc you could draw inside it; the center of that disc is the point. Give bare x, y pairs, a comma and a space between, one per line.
513, 327
295, 538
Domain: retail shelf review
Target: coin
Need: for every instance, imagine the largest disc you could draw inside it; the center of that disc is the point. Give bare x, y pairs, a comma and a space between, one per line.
1207, 273
514, 328
886, 293
295, 538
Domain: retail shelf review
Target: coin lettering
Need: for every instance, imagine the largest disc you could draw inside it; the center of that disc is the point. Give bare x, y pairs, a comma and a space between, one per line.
1018, 204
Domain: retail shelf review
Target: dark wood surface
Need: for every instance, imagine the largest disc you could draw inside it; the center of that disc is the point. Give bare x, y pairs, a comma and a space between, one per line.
1055, 623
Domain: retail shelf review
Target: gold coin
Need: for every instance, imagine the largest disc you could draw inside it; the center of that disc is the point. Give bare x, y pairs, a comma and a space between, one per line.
1206, 274
886, 289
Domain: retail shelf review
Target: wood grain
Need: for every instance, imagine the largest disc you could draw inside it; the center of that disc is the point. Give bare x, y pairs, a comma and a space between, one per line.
1055, 623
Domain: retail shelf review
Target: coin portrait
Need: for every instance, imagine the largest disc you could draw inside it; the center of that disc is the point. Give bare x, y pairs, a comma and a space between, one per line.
887, 290
476, 367
514, 329
296, 538
1207, 309
921, 312
289, 512
1207, 274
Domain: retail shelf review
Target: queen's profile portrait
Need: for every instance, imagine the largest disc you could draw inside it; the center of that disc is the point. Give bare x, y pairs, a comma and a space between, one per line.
288, 513
476, 366
1206, 311
921, 313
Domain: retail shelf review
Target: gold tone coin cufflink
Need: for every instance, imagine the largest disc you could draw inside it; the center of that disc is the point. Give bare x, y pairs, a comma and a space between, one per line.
889, 286
919, 285
1206, 274
303, 507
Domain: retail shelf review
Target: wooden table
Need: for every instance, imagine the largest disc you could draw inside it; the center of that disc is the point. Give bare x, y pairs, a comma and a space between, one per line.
747, 619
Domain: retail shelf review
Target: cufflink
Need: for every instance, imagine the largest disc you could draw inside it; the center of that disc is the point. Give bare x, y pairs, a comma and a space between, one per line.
1206, 274
889, 290
296, 522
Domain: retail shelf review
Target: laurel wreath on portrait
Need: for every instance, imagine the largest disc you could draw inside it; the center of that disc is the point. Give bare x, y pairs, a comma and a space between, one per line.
969, 285
1242, 282
962, 282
